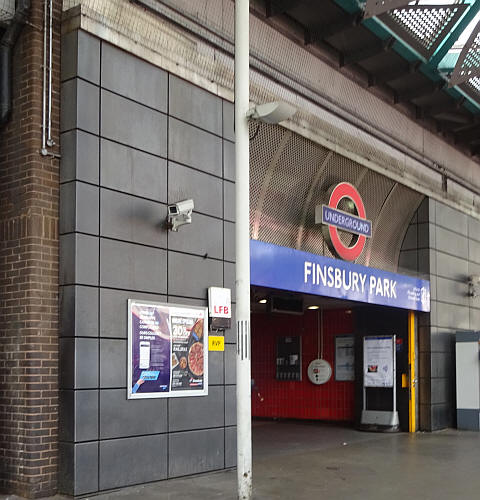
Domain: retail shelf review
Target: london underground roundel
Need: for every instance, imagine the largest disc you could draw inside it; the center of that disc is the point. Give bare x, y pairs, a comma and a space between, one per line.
335, 220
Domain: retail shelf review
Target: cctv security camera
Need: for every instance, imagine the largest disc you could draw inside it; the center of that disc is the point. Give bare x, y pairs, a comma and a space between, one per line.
180, 213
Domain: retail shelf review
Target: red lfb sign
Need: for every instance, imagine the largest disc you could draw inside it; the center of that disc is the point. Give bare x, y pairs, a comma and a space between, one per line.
219, 302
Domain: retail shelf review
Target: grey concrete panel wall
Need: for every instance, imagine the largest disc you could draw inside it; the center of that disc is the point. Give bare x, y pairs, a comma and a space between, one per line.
453, 245
134, 139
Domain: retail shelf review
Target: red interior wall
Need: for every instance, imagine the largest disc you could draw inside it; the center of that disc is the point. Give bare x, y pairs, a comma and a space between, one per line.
304, 400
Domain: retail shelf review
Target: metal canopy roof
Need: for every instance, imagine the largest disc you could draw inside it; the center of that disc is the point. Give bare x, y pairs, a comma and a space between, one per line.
395, 48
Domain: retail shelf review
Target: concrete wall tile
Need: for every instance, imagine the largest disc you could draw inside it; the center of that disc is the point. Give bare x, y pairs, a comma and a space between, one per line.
119, 417
203, 237
451, 219
126, 169
205, 190
78, 208
80, 106
452, 243
195, 105
129, 218
208, 411
78, 311
229, 241
454, 292
132, 267
204, 151
132, 460
231, 405
195, 452
80, 56
79, 157
451, 267
229, 200
215, 367
134, 78
113, 363
453, 316
473, 228
78, 468
78, 259
230, 363
190, 276
229, 160
228, 121
149, 132
230, 447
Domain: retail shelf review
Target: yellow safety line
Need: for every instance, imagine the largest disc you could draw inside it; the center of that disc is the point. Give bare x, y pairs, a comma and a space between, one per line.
412, 426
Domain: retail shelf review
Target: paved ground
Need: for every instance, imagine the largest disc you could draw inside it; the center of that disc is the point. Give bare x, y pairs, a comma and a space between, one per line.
300, 461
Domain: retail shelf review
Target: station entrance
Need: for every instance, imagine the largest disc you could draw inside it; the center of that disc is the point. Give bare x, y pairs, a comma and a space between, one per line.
290, 330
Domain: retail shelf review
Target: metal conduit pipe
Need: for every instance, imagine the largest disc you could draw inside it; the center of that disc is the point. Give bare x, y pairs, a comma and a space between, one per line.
7, 43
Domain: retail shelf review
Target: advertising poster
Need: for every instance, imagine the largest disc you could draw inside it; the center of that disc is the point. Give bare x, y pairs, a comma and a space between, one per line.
167, 350
378, 361
344, 358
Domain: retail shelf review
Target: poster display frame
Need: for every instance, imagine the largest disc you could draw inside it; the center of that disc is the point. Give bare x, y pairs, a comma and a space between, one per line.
339, 337
175, 393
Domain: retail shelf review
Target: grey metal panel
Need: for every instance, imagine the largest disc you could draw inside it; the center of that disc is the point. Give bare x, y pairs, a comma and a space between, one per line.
191, 275
80, 56
451, 219
229, 160
113, 363
78, 363
452, 243
229, 277
133, 219
229, 241
230, 363
410, 241
424, 366
424, 261
230, 446
78, 468
468, 420
204, 189
424, 338
120, 417
204, 151
78, 208
467, 336
134, 78
423, 234
228, 121
78, 311
454, 292
113, 310
149, 133
442, 415
199, 412
126, 169
475, 316
132, 267
79, 157
229, 200
203, 237
215, 367
423, 211
80, 106
66, 415
441, 390
408, 260
194, 452
452, 316
195, 105
474, 228
78, 259
231, 404
474, 251
132, 461
86, 415
441, 363
452, 267
441, 340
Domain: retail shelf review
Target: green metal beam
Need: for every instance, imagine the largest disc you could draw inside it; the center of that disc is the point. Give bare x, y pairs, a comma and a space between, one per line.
454, 34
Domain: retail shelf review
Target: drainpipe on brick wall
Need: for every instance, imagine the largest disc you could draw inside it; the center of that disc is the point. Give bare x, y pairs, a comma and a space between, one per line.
7, 43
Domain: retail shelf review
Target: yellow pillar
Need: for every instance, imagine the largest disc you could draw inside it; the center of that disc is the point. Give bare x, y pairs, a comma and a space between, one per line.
412, 426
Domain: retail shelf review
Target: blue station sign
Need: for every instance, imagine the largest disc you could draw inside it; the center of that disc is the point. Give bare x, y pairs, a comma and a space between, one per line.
284, 268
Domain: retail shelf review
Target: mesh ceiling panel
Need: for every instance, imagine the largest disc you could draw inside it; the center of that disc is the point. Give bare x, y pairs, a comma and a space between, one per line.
467, 68
7, 9
424, 26
290, 175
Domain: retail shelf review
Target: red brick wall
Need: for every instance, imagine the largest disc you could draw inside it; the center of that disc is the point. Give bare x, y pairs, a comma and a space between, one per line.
333, 401
29, 275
